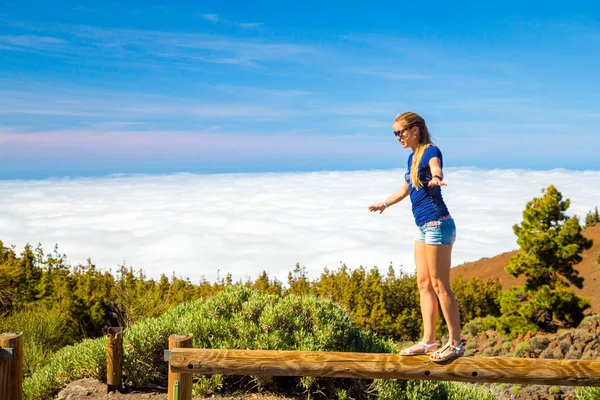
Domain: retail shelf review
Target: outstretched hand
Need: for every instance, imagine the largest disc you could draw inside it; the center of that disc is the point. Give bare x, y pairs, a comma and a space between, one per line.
435, 181
377, 207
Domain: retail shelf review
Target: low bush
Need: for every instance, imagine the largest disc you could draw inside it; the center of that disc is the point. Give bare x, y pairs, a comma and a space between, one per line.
587, 393
46, 331
84, 360
241, 318
479, 325
590, 321
522, 349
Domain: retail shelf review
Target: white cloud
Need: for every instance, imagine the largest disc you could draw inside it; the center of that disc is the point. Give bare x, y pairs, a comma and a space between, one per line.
214, 18
32, 42
144, 48
210, 17
387, 75
195, 225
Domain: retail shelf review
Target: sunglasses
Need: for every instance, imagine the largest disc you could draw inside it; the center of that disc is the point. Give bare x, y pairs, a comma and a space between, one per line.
400, 134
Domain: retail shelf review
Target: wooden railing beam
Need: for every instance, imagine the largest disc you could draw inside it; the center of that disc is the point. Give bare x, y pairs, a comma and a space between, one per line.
385, 366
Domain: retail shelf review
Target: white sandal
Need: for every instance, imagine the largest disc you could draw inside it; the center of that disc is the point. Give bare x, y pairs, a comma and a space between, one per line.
439, 356
421, 351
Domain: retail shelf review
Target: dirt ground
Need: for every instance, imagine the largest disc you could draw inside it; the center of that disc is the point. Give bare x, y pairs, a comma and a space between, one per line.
91, 389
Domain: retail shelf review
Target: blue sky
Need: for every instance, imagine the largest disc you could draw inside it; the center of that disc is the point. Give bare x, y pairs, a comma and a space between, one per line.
161, 87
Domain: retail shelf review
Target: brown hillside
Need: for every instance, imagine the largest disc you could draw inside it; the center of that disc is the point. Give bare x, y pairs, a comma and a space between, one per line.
493, 268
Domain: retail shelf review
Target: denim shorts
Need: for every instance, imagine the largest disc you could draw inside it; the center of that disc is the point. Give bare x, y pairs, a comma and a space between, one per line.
437, 232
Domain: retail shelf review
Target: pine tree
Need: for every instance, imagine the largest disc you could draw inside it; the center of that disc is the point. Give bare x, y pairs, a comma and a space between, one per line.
550, 245
8, 275
592, 218
264, 285
298, 281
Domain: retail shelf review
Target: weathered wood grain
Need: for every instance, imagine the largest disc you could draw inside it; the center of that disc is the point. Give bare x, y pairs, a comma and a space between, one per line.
114, 355
386, 366
182, 381
11, 371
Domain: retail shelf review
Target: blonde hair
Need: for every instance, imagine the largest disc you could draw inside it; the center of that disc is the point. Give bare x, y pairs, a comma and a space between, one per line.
411, 119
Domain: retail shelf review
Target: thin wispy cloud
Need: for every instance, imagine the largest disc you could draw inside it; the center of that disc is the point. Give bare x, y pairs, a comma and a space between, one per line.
249, 25
256, 103
142, 45
214, 18
204, 225
262, 93
128, 105
210, 17
442, 60
32, 42
388, 75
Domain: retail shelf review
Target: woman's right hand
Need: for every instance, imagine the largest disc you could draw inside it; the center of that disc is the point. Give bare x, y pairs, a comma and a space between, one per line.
377, 207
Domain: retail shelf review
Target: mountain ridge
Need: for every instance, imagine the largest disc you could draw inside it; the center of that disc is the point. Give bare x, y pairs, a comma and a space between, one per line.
493, 268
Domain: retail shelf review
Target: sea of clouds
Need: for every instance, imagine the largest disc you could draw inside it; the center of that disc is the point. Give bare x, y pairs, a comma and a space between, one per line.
197, 226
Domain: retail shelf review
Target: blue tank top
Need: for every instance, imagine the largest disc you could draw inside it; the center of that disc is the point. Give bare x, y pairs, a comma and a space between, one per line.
427, 202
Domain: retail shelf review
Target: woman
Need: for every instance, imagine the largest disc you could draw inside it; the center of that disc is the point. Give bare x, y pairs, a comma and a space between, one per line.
435, 236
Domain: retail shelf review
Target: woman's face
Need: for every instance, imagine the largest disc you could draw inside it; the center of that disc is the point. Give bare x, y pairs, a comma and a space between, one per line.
406, 137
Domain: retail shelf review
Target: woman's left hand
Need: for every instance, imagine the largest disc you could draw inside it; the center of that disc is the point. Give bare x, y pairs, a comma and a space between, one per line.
435, 181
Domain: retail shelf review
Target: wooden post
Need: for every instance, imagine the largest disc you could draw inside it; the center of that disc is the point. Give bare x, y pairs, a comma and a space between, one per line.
11, 370
114, 353
180, 385
533, 371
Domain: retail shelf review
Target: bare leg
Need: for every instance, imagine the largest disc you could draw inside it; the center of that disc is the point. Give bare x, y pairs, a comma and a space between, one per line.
439, 260
427, 294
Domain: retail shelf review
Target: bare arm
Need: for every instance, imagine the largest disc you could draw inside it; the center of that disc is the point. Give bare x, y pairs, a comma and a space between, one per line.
396, 197
437, 176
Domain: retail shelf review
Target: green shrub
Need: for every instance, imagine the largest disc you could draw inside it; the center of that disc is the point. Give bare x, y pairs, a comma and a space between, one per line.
204, 385
389, 389
522, 349
564, 347
460, 391
592, 218
587, 393
342, 394
547, 353
539, 343
238, 318
514, 325
563, 333
489, 352
431, 390
478, 325
45, 332
506, 346
418, 390
84, 360
583, 336
555, 390
515, 389
590, 320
